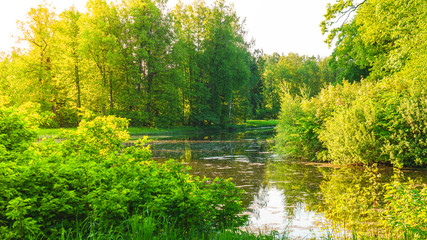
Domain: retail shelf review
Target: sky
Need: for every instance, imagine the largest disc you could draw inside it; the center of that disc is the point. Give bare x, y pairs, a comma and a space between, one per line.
281, 26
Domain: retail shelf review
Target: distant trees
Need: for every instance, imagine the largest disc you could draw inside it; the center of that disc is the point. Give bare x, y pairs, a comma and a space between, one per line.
295, 74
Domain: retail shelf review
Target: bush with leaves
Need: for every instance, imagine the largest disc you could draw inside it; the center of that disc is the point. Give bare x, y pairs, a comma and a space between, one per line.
15, 133
361, 205
405, 208
386, 123
91, 177
297, 130
359, 123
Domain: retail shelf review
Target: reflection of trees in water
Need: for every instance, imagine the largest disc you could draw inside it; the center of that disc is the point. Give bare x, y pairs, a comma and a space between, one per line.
260, 199
299, 182
240, 156
354, 203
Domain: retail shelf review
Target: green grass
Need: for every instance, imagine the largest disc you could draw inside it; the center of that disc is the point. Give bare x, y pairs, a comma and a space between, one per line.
51, 132
147, 228
260, 123
153, 131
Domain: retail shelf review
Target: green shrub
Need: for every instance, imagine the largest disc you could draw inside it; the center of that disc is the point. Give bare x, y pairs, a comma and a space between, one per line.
16, 133
386, 122
297, 129
407, 144
362, 205
359, 123
91, 179
302, 120
350, 135
405, 208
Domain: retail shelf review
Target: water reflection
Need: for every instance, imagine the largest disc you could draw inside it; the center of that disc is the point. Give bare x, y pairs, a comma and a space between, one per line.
284, 195
354, 202
278, 192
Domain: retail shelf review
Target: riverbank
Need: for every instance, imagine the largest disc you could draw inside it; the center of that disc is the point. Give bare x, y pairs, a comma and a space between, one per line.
52, 132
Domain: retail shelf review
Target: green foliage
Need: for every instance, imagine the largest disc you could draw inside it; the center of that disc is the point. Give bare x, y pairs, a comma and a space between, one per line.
372, 120
99, 137
405, 208
136, 60
191, 202
302, 75
215, 61
147, 227
374, 127
362, 206
374, 36
349, 135
297, 129
92, 182
407, 142
359, 123
348, 60
16, 133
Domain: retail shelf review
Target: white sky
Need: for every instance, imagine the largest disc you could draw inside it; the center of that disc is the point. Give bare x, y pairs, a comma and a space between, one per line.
281, 26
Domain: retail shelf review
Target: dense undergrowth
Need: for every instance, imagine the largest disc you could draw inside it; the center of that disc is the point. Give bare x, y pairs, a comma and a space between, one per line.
362, 206
90, 184
358, 123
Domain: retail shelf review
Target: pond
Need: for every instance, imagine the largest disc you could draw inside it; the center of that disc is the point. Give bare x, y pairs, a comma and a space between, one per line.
281, 195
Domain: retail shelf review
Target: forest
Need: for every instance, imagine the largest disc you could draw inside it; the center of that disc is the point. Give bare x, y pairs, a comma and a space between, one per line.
191, 66
134, 63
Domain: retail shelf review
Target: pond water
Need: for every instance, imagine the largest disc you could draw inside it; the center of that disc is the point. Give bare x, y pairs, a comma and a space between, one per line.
279, 193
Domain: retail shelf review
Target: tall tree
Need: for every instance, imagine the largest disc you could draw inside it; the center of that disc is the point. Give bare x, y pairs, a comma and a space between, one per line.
100, 28
38, 31
154, 73
218, 59
69, 61
189, 24
376, 37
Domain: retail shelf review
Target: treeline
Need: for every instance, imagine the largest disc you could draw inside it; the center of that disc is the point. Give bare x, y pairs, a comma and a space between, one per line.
134, 59
381, 118
300, 75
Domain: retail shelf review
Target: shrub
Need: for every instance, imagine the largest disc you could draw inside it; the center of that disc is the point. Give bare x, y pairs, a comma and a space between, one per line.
386, 122
297, 129
360, 204
359, 123
15, 133
350, 135
90, 177
405, 207
407, 144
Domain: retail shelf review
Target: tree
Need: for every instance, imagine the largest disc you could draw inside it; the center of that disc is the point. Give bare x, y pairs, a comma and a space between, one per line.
38, 80
154, 74
70, 60
216, 60
297, 75
376, 37
100, 28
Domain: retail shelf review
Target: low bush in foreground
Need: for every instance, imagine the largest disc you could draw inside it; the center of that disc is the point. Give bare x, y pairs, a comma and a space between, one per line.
50, 188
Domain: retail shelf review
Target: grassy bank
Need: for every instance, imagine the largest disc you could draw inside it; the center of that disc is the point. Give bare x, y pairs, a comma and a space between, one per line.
180, 129
144, 228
